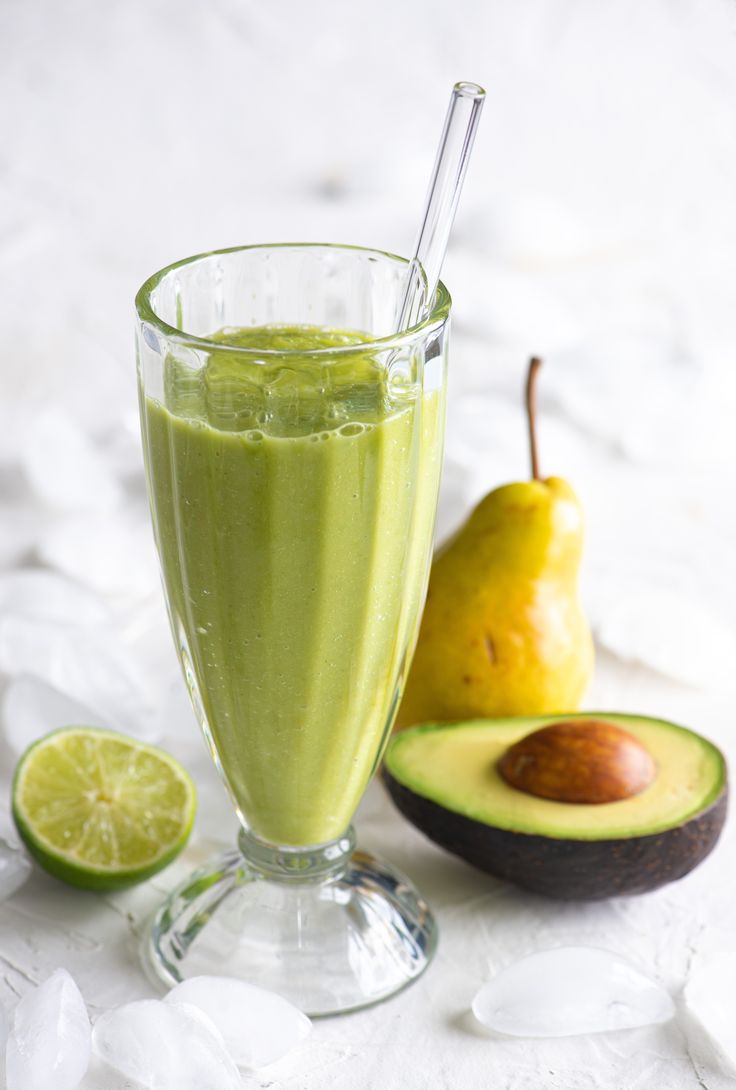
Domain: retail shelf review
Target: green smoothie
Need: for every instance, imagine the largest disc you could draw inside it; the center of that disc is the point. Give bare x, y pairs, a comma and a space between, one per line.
293, 499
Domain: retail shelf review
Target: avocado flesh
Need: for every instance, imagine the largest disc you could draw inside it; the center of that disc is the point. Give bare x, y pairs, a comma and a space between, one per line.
454, 766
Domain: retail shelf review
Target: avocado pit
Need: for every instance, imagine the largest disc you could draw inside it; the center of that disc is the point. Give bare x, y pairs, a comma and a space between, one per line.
579, 761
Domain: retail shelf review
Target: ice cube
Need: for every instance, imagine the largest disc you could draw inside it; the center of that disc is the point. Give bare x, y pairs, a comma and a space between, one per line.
710, 999
15, 868
123, 450
570, 990
33, 592
63, 466
666, 631
32, 708
165, 1046
113, 554
49, 1044
23, 523
257, 1026
176, 714
90, 666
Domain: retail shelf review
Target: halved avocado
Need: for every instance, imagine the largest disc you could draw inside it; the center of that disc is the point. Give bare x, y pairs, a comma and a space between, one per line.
445, 779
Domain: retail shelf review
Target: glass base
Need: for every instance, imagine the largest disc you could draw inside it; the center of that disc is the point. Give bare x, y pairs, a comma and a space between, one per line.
329, 928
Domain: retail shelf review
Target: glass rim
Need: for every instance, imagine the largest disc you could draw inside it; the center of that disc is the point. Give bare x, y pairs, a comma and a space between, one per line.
434, 320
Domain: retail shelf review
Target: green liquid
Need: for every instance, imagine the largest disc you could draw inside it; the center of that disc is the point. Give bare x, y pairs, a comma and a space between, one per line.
293, 504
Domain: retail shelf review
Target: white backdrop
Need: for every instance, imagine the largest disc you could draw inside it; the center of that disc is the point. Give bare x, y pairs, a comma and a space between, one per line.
597, 228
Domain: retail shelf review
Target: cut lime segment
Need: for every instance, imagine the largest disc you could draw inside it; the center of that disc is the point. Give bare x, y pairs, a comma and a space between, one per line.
100, 810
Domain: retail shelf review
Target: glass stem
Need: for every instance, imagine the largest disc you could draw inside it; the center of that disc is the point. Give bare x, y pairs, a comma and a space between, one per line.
314, 863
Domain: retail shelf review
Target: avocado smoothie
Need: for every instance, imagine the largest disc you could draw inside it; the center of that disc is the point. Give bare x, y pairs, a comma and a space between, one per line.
293, 499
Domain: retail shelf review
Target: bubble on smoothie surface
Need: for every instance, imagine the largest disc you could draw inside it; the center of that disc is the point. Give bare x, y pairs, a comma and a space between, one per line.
15, 869
710, 1000
258, 1026
165, 1046
568, 991
64, 467
49, 1041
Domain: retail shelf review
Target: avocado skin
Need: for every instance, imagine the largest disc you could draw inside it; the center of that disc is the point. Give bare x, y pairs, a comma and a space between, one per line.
567, 869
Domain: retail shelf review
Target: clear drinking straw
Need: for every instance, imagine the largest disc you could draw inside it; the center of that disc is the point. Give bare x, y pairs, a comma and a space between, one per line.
453, 153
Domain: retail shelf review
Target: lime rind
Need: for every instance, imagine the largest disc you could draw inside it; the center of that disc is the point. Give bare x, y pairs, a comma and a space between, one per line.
100, 810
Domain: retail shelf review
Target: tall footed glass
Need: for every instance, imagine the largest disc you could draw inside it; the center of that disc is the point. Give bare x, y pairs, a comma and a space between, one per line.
293, 444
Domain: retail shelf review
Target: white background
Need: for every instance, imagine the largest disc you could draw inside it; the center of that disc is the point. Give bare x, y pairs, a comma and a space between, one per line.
597, 228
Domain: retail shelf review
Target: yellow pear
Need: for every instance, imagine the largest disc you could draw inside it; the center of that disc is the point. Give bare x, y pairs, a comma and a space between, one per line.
503, 632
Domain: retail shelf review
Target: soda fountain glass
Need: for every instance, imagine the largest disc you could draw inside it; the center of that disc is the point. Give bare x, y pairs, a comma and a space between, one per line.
293, 444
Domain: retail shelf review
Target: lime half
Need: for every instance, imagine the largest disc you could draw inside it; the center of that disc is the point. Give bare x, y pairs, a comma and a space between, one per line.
100, 810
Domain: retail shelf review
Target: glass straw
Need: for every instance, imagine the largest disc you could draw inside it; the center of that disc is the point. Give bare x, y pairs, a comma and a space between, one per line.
453, 153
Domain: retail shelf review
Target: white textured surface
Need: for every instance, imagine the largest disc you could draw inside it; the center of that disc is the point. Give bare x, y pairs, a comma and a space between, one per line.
598, 228
709, 998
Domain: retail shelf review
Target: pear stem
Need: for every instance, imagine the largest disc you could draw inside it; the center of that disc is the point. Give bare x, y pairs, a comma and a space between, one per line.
531, 412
